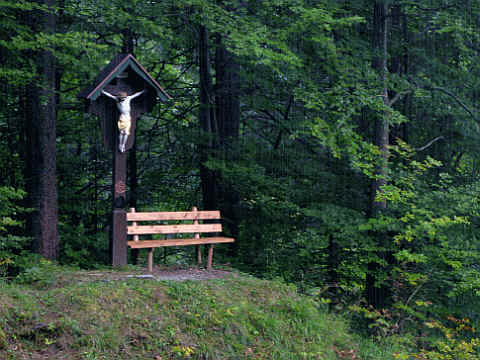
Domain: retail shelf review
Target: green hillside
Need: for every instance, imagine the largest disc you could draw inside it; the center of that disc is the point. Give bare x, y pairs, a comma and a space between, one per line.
107, 315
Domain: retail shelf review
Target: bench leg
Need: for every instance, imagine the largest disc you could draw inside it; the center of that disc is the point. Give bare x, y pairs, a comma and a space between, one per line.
199, 255
150, 260
210, 257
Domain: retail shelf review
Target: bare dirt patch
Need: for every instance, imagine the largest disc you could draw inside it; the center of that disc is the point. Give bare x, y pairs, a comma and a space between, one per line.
160, 273
189, 274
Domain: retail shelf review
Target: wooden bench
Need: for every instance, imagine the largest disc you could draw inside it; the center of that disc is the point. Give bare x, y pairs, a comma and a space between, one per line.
135, 229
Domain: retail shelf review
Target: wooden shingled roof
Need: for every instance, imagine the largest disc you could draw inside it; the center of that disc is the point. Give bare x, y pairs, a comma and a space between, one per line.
118, 65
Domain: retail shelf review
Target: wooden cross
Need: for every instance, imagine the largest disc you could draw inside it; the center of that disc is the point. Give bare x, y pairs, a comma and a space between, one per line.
123, 75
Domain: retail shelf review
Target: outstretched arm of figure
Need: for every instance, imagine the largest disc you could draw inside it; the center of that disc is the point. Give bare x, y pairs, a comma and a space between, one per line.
109, 95
133, 96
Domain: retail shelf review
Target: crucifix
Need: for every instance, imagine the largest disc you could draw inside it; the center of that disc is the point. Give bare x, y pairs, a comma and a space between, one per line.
125, 119
122, 91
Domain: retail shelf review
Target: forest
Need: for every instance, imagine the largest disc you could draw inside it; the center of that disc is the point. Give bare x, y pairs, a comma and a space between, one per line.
338, 138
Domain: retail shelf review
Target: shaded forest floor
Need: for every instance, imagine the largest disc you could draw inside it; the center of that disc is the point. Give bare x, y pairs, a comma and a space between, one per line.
71, 314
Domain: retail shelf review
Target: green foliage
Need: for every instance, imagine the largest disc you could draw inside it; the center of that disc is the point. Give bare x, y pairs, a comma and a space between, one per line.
457, 342
40, 273
12, 242
79, 248
9, 209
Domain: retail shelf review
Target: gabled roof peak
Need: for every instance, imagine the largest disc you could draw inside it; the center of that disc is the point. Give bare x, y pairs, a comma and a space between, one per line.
116, 67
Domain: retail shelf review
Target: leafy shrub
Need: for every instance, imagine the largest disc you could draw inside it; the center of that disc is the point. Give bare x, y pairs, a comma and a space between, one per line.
12, 240
41, 274
456, 343
79, 248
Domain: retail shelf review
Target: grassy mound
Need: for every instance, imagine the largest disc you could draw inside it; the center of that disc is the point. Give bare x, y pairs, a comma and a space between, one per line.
238, 317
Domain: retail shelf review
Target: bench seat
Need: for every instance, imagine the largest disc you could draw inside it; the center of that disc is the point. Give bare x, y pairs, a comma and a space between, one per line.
144, 244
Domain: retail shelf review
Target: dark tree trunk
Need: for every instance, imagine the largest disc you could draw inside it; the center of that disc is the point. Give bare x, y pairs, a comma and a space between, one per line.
400, 66
220, 122
377, 294
207, 124
128, 44
406, 67
41, 145
333, 262
227, 94
227, 105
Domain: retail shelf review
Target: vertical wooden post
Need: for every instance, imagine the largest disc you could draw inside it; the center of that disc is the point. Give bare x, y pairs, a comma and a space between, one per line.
210, 257
119, 221
197, 236
150, 260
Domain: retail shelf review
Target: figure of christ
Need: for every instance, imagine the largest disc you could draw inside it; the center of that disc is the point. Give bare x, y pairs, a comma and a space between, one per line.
125, 120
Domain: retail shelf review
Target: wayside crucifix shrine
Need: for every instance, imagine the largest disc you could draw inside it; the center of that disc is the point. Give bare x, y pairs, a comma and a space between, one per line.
120, 94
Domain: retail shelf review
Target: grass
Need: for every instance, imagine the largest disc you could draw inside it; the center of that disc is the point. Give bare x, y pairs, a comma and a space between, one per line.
239, 317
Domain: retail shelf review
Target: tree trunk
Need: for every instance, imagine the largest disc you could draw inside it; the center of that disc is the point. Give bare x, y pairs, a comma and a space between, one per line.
128, 44
41, 145
376, 294
207, 124
227, 94
227, 105
400, 66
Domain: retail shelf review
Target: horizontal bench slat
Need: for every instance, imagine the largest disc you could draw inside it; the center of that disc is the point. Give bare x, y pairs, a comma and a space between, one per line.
178, 242
173, 229
179, 215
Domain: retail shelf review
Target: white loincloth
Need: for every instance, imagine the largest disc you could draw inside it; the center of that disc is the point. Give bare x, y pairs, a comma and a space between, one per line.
124, 124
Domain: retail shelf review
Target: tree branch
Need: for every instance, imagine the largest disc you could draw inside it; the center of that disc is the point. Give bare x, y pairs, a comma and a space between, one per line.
398, 96
430, 143
445, 7
453, 96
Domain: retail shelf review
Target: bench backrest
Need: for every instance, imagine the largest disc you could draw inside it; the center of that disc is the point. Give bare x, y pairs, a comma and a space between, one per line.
194, 228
